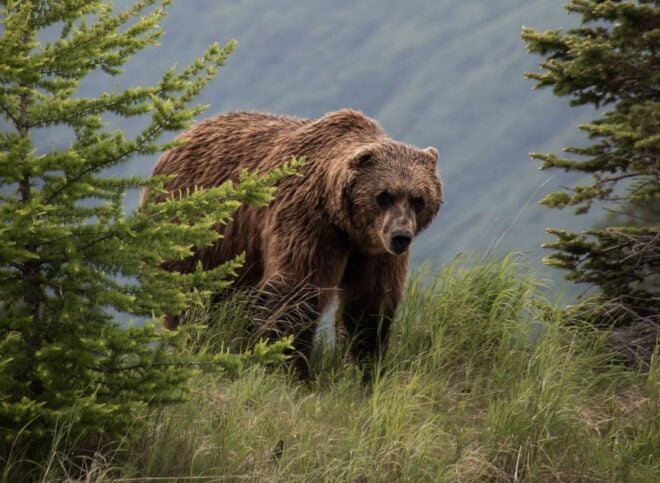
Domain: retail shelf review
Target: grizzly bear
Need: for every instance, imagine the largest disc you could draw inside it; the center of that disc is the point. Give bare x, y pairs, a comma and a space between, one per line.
343, 227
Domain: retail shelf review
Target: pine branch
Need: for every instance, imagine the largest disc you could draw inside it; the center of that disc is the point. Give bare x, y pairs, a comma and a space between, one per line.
94, 167
106, 26
81, 108
47, 14
10, 115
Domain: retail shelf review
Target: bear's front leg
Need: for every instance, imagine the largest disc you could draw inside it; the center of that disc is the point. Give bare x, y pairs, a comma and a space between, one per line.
301, 276
372, 287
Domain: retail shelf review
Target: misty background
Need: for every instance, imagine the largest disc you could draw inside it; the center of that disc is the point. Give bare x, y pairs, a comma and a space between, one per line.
446, 73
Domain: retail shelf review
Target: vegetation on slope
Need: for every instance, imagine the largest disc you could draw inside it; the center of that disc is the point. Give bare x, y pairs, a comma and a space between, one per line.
484, 380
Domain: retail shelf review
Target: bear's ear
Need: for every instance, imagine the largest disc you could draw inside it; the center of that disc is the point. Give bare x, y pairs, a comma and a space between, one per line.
431, 151
362, 157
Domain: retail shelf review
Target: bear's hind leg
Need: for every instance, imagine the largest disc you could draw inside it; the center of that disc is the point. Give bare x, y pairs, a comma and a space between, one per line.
290, 308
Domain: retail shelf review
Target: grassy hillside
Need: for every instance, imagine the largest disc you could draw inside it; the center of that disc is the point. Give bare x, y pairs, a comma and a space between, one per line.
484, 381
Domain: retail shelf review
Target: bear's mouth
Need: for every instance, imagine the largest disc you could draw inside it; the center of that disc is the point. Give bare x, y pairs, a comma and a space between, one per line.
398, 251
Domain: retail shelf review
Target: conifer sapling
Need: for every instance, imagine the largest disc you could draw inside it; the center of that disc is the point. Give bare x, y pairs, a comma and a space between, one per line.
71, 259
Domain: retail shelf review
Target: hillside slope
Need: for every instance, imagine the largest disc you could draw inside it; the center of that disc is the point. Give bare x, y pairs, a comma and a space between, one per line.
483, 381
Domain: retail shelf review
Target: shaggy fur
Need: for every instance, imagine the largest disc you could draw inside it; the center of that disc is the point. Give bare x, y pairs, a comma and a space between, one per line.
343, 227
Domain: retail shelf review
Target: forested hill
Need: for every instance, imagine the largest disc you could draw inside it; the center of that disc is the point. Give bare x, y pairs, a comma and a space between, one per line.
446, 73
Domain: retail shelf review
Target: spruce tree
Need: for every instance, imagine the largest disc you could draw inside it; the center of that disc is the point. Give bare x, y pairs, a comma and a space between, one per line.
611, 62
72, 262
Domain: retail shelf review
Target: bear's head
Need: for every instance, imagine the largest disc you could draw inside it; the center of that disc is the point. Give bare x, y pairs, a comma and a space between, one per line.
392, 193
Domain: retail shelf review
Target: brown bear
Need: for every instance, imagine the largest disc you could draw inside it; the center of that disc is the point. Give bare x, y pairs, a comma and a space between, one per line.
344, 227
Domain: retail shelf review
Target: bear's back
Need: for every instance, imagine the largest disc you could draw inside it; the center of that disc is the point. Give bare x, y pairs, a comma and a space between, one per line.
218, 148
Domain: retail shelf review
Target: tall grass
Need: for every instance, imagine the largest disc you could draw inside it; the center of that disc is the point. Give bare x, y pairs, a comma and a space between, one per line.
484, 380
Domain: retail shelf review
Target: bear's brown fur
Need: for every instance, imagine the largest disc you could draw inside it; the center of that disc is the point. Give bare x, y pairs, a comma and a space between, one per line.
342, 227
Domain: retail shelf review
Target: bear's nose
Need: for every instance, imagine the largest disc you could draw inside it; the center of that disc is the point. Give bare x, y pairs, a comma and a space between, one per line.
400, 241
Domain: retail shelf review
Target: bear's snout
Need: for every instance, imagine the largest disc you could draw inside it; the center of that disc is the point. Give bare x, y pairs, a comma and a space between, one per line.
400, 241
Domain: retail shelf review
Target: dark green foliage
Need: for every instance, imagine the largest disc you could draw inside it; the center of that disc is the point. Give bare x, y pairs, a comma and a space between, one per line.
70, 258
612, 62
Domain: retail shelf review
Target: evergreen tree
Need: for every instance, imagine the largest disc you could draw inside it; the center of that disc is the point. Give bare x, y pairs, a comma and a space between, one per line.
612, 63
70, 258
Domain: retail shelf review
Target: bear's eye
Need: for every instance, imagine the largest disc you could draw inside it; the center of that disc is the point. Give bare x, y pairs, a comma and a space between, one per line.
384, 199
417, 204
